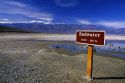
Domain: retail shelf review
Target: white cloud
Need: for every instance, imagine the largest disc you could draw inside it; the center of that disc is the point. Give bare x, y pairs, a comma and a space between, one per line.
46, 18
5, 19
38, 21
18, 8
84, 22
33, 21
66, 3
18, 4
115, 24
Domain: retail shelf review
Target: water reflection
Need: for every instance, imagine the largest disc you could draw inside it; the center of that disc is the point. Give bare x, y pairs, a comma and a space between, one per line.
114, 48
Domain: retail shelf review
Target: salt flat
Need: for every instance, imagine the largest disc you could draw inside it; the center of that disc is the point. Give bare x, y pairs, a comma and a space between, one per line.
54, 37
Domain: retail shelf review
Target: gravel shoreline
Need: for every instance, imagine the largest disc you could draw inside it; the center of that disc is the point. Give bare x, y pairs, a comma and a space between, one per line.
27, 61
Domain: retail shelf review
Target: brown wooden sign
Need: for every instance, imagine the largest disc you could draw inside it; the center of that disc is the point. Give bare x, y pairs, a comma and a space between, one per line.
90, 37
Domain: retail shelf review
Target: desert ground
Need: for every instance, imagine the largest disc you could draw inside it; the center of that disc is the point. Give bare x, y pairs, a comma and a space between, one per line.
28, 58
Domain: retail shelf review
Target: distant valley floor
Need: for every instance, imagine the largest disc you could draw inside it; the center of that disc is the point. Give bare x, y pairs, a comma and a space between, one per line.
54, 37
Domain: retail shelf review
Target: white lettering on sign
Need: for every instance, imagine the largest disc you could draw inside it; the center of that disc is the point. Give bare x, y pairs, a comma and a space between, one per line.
89, 34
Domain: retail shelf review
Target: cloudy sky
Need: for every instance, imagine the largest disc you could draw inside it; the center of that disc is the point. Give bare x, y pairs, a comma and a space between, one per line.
101, 12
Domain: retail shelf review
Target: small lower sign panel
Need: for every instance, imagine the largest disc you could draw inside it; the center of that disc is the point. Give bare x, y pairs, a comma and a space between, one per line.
90, 37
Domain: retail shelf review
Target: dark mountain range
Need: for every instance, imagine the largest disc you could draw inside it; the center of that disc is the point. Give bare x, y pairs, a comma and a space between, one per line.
62, 28
11, 29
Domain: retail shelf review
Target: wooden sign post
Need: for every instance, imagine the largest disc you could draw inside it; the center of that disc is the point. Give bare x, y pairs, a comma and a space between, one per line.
89, 62
91, 38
